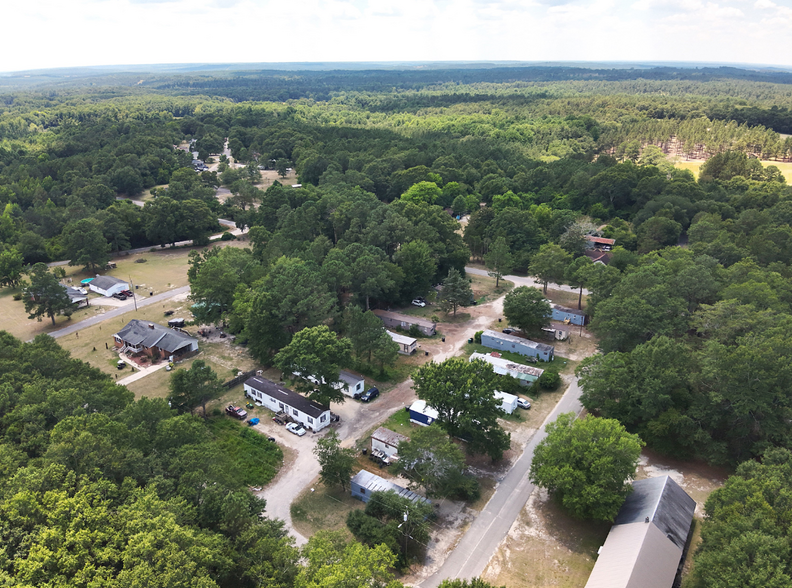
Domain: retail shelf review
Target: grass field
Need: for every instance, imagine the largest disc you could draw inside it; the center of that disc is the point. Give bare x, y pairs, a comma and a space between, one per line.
255, 459
695, 166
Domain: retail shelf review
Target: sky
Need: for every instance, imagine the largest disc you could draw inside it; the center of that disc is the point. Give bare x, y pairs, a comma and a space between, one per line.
56, 33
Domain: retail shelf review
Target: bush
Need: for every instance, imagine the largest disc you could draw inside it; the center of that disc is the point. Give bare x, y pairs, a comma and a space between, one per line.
549, 380
18, 296
414, 331
226, 236
141, 260
477, 337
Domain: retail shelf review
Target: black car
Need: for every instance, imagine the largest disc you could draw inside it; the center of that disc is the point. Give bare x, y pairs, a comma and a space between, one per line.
369, 395
119, 296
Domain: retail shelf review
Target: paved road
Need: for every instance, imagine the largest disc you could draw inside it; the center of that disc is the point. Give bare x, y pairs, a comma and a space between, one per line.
478, 545
521, 281
141, 302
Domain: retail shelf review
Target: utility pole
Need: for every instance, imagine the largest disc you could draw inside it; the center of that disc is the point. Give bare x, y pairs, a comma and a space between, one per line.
132, 289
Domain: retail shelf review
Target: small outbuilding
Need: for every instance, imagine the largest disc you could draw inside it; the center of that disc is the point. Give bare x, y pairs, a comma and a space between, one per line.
351, 383
508, 401
504, 342
646, 545
593, 242
407, 345
152, 339
568, 315
525, 374
387, 441
78, 296
264, 392
421, 414
396, 320
107, 285
364, 484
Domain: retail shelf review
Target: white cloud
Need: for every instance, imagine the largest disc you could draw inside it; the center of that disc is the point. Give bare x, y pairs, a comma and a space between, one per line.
51, 33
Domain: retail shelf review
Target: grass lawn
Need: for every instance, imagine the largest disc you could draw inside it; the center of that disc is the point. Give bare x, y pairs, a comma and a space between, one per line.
323, 509
252, 456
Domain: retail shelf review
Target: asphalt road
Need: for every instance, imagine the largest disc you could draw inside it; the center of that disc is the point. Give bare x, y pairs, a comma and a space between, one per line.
478, 545
119, 310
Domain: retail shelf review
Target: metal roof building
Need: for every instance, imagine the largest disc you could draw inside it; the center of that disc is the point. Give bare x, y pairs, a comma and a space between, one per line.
526, 374
645, 546
364, 484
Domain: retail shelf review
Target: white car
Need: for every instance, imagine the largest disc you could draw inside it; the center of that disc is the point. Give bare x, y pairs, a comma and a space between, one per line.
418, 302
296, 428
523, 403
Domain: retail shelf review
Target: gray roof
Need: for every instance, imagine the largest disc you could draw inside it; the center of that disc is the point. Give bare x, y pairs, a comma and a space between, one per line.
665, 504
74, 294
105, 282
374, 483
520, 340
389, 437
568, 310
147, 334
286, 396
405, 318
350, 378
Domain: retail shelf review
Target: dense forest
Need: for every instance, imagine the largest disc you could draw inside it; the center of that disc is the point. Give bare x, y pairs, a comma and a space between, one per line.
692, 311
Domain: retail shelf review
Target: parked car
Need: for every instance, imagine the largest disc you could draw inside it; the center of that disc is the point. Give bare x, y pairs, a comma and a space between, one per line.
278, 421
236, 412
334, 418
119, 296
369, 395
127, 293
523, 403
296, 428
418, 302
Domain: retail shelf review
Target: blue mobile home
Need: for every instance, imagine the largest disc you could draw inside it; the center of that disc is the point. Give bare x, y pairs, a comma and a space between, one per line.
364, 484
420, 414
504, 342
562, 313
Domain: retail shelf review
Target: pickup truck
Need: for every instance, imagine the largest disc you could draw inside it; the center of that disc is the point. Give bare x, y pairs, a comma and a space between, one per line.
236, 412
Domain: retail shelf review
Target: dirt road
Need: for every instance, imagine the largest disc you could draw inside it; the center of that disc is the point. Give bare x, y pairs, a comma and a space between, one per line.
358, 418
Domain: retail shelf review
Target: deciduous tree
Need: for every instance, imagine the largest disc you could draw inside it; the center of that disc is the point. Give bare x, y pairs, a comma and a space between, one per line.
336, 462
587, 464
44, 295
499, 260
456, 292
194, 387
527, 309
548, 264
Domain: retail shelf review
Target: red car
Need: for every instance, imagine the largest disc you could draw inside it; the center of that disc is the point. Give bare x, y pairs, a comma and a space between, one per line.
236, 412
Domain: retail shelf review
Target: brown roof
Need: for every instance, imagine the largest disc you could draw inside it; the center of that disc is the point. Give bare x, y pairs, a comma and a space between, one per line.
389, 437
596, 255
600, 240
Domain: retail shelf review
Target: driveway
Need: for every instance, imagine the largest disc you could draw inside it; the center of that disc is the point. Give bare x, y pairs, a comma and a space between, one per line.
358, 418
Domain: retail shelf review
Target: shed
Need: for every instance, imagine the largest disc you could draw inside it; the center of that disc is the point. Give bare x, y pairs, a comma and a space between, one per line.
508, 401
573, 315
149, 338
177, 322
504, 342
646, 545
275, 397
351, 383
407, 345
396, 320
78, 296
107, 285
421, 414
364, 484
387, 441
526, 374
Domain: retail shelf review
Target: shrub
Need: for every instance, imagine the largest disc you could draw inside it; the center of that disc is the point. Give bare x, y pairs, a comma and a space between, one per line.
226, 236
477, 337
414, 331
18, 296
549, 380
141, 260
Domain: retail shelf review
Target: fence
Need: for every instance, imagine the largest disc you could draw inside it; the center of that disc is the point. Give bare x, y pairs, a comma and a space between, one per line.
239, 379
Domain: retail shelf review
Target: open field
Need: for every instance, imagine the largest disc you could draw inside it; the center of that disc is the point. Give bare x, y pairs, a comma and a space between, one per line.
164, 270
270, 176
321, 508
695, 165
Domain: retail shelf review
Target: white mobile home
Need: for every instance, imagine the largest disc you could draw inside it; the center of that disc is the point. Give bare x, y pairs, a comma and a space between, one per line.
508, 401
526, 374
107, 285
387, 441
351, 383
275, 397
407, 345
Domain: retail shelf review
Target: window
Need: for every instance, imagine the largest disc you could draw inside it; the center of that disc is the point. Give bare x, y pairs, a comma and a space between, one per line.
294, 410
322, 418
281, 405
362, 490
310, 421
